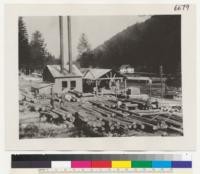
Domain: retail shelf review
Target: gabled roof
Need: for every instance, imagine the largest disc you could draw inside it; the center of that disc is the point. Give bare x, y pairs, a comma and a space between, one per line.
55, 70
84, 70
96, 73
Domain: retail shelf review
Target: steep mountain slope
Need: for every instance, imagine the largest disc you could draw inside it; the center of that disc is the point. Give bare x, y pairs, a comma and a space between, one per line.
145, 46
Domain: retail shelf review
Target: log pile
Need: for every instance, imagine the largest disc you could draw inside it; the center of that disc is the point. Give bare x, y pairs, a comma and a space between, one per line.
57, 116
146, 120
101, 116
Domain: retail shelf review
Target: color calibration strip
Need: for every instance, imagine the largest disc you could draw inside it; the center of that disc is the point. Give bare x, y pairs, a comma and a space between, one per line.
121, 164
103, 161
102, 164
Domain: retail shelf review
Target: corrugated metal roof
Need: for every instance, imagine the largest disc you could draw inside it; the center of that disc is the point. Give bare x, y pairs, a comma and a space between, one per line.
96, 73
55, 70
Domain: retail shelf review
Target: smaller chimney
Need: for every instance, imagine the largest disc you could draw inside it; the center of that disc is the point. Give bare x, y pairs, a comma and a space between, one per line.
61, 44
69, 43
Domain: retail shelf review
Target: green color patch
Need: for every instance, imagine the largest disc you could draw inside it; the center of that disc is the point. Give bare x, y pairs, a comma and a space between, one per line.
141, 164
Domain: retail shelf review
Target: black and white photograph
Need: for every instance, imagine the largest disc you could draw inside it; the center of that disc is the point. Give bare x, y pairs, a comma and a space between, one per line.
99, 76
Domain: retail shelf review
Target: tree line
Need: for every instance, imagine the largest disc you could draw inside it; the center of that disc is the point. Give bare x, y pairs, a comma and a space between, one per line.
32, 55
146, 46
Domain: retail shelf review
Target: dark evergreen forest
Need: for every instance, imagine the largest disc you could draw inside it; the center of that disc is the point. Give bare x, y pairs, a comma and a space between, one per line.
32, 54
145, 46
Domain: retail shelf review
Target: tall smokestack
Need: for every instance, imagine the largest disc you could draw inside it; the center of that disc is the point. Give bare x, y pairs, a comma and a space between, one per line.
69, 43
61, 44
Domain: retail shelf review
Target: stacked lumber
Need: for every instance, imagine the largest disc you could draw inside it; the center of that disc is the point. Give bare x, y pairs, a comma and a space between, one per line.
124, 119
152, 120
107, 123
160, 119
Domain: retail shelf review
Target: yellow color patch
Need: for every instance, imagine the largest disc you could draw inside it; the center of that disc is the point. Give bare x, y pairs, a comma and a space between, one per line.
121, 164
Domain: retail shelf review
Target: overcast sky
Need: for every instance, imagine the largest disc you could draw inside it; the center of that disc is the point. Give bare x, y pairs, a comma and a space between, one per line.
98, 29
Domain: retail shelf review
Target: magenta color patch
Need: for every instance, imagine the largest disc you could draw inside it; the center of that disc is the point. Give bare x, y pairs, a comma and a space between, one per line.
81, 164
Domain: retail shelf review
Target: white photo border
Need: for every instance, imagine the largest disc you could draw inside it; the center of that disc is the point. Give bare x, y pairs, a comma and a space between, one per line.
188, 57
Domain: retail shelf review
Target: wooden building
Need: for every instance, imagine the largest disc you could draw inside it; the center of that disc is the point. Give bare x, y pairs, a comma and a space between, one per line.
63, 80
126, 69
65, 76
102, 79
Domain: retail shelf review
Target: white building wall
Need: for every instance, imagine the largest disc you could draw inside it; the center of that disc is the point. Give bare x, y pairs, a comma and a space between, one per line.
58, 84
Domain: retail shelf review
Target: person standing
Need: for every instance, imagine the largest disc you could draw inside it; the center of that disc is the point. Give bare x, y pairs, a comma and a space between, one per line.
148, 103
119, 103
52, 102
62, 100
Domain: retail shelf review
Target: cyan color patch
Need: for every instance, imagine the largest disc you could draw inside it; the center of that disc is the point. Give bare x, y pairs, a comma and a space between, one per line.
161, 164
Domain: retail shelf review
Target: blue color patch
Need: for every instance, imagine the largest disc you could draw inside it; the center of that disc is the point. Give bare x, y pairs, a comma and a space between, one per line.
161, 164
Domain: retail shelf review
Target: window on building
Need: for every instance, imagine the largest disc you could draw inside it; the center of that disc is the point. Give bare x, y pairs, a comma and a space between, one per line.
64, 84
72, 84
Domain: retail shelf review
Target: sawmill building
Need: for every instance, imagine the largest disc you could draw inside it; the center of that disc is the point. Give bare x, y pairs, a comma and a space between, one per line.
102, 78
63, 80
65, 76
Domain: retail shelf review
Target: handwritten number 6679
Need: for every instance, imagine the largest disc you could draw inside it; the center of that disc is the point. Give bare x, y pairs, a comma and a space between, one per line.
184, 7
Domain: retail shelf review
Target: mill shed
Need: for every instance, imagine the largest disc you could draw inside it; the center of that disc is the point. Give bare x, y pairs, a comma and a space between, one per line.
63, 80
102, 78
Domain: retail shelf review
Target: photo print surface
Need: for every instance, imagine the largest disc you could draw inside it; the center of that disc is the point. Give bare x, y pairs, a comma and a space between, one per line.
100, 76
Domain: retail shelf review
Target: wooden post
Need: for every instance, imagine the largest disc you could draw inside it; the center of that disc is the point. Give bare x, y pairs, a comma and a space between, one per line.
125, 86
96, 87
150, 82
51, 91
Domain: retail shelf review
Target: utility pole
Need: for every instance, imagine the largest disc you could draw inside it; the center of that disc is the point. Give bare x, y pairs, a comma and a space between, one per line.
150, 83
161, 79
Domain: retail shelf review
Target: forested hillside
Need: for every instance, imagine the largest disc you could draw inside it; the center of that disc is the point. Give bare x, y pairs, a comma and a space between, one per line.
145, 46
